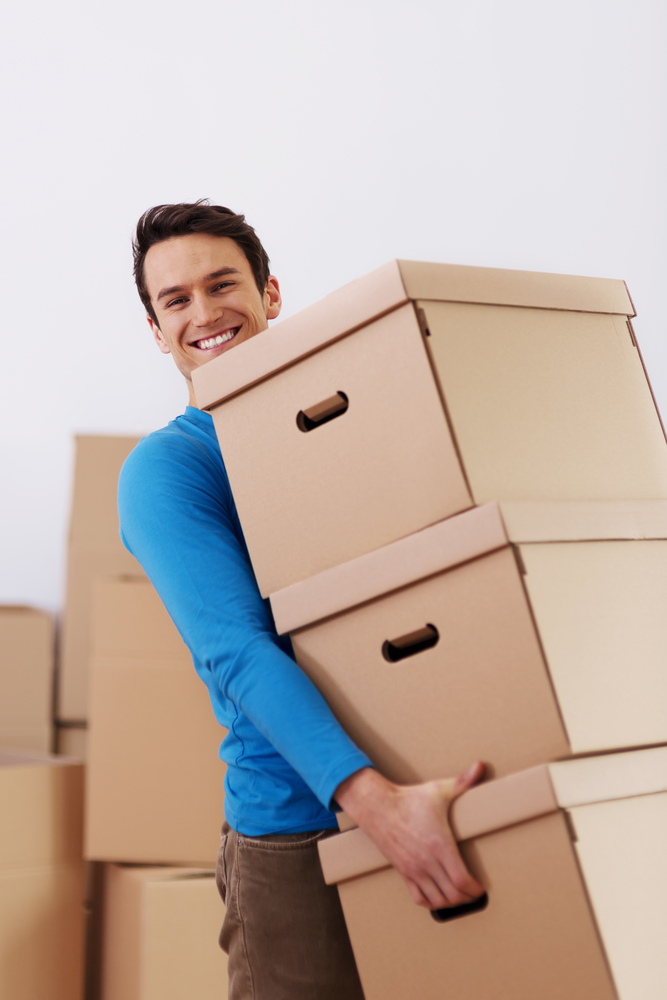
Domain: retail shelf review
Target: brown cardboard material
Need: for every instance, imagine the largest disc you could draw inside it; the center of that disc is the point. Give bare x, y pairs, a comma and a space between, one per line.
533, 424
484, 690
26, 678
599, 607
154, 780
560, 940
542, 387
292, 532
72, 741
94, 551
41, 877
161, 929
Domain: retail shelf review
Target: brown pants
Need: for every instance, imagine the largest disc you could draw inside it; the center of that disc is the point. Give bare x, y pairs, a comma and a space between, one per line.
283, 930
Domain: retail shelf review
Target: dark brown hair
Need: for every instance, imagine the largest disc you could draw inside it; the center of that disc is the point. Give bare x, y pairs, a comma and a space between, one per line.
166, 221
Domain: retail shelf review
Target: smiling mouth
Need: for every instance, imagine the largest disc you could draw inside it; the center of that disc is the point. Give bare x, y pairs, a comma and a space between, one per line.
220, 338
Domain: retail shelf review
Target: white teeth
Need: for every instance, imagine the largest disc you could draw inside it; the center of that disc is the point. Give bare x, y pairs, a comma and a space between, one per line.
221, 338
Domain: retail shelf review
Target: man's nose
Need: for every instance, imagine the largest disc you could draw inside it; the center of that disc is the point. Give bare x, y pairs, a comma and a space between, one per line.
205, 311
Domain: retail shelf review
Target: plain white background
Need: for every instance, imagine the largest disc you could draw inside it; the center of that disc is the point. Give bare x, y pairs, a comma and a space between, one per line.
518, 134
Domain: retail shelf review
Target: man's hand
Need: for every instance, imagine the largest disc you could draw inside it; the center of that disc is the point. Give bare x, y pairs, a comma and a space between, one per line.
410, 825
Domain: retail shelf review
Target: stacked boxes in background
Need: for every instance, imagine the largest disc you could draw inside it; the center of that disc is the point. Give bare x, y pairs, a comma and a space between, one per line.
42, 877
26, 678
160, 935
94, 551
529, 628
154, 797
154, 781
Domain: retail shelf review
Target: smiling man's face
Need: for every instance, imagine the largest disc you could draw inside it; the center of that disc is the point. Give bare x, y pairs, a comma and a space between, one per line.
205, 298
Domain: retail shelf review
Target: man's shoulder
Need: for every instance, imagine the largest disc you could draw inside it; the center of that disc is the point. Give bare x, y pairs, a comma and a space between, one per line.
186, 449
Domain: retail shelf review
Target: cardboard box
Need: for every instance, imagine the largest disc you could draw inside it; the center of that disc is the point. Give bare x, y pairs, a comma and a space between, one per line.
26, 678
572, 859
518, 603
423, 389
154, 781
72, 741
94, 551
41, 877
160, 935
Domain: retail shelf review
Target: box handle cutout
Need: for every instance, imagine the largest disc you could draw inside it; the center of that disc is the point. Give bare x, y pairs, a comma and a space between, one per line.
394, 650
454, 912
322, 413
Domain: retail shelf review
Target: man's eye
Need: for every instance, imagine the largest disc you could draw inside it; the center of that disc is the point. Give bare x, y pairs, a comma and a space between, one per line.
223, 284
175, 302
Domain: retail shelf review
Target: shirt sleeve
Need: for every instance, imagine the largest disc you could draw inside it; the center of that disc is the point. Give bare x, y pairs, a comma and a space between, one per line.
178, 519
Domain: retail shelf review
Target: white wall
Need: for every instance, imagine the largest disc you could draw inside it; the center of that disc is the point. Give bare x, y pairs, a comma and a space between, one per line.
517, 134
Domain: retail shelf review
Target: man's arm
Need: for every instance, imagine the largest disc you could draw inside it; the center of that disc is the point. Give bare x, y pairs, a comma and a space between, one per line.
410, 825
178, 518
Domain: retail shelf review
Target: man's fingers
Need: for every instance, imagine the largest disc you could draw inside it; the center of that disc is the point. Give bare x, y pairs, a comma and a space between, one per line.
467, 779
456, 872
436, 894
417, 895
454, 880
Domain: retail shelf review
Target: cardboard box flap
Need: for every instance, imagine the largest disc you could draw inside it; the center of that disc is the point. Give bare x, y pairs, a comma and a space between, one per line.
439, 547
337, 314
485, 808
501, 287
585, 780
584, 520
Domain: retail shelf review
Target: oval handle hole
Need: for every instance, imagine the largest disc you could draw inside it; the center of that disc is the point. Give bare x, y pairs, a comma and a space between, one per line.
322, 413
394, 650
454, 912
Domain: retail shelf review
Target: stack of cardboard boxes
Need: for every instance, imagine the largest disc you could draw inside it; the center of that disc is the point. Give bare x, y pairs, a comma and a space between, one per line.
42, 877
131, 910
453, 486
94, 551
26, 678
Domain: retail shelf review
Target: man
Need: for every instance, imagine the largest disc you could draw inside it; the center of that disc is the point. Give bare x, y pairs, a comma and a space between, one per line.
203, 277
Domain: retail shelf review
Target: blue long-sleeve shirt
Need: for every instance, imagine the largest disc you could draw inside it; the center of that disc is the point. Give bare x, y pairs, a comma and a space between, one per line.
285, 752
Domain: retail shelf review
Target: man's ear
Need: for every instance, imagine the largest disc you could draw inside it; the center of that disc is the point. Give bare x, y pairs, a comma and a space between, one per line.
157, 336
272, 298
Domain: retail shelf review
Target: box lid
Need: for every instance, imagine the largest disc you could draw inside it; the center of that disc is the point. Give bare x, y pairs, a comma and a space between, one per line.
459, 539
383, 290
526, 795
439, 547
605, 777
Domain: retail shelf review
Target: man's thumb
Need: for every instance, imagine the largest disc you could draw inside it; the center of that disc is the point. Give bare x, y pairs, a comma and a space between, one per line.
468, 778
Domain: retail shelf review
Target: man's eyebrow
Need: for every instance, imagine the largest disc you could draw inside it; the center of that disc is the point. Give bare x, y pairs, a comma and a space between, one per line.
221, 273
